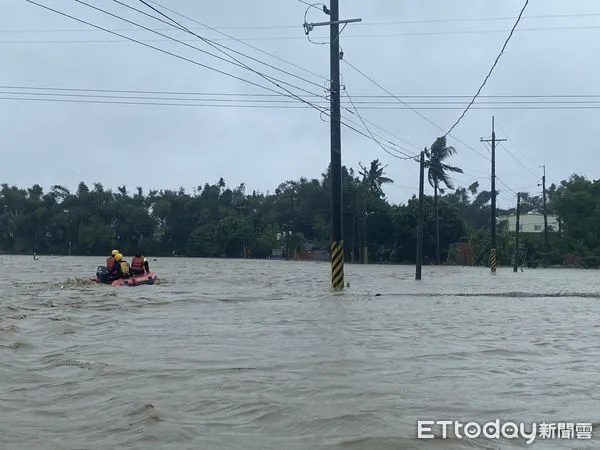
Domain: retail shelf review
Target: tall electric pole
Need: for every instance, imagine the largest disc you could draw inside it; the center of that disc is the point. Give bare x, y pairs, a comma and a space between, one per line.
337, 236
545, 211
493, 259
293, 236
516, 265
420, 218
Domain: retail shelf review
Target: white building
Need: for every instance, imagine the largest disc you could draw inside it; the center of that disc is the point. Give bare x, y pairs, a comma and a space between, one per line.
531, 223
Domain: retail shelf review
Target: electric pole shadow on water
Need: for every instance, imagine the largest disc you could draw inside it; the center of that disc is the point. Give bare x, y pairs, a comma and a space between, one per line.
337, 217
493, 256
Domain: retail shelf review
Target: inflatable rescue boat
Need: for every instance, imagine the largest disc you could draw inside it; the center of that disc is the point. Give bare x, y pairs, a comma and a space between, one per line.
136, 280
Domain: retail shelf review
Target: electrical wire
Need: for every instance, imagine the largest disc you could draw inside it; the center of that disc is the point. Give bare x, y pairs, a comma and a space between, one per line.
307, 30
517, 159
246, 101
210, 42
412, 109
309, 4
322, 110
137, 97
207, 40
509, 139
324, 99
259, 95
155, 48
294, 38
235, 62
376, 22
491, 69
239, 40
498, 179
385, 131
406, 156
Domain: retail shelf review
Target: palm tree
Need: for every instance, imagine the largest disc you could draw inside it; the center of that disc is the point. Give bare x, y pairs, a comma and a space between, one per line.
438, 173
374, 178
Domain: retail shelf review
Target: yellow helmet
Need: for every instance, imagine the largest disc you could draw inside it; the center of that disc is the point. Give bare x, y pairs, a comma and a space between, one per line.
115, 252
118, 257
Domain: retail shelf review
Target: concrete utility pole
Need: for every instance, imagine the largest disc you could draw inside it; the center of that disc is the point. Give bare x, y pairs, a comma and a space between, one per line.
516, 265
545, 211
365, 249
420, 218
337, 217
493, 260
293, 236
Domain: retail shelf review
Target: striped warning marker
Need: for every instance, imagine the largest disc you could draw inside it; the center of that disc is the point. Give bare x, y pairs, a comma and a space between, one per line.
493, 263
337, 265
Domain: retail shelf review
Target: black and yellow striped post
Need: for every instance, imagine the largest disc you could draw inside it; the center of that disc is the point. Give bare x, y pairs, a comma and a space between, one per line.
493, 264
366, 255
337, 265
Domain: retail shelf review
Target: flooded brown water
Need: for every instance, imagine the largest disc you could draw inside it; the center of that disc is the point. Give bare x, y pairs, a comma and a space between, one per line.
233, 354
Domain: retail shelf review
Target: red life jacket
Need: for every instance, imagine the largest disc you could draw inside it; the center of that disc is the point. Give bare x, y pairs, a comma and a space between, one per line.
110, 262
137, 262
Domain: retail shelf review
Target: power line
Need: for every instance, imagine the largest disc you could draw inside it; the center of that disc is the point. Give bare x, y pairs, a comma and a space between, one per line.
239, 40
156, 48
112, 102
491, 69
252, 94
378, 143
517, 159
294, 38
139, 97
496, 176
239, 64
197, 105
413, 109
322, 110
242, 103
505, 185
309, 4
391, 134
516, 147
375, 22
208, 41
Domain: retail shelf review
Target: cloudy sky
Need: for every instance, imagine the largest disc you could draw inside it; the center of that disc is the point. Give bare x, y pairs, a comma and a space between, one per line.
431, 54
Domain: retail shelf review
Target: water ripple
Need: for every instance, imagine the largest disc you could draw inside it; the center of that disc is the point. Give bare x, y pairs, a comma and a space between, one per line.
261, 355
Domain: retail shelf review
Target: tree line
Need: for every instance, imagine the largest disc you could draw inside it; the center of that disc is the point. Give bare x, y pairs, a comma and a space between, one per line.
216, 220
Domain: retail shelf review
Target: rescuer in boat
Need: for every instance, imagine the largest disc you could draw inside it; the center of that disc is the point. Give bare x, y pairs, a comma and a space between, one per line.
137, 264
121, 268
110, 261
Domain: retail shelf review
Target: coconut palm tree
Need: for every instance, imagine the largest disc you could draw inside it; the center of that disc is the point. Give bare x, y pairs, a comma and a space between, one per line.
437, 173
374, 178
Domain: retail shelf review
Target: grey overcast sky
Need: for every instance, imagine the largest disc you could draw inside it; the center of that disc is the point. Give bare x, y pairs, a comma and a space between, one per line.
423, 51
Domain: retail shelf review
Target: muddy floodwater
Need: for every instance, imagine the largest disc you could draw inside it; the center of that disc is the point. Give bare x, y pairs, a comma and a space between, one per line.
250, 354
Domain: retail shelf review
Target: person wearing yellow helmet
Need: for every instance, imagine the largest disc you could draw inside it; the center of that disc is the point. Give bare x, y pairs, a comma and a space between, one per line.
110, 261
122, 268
